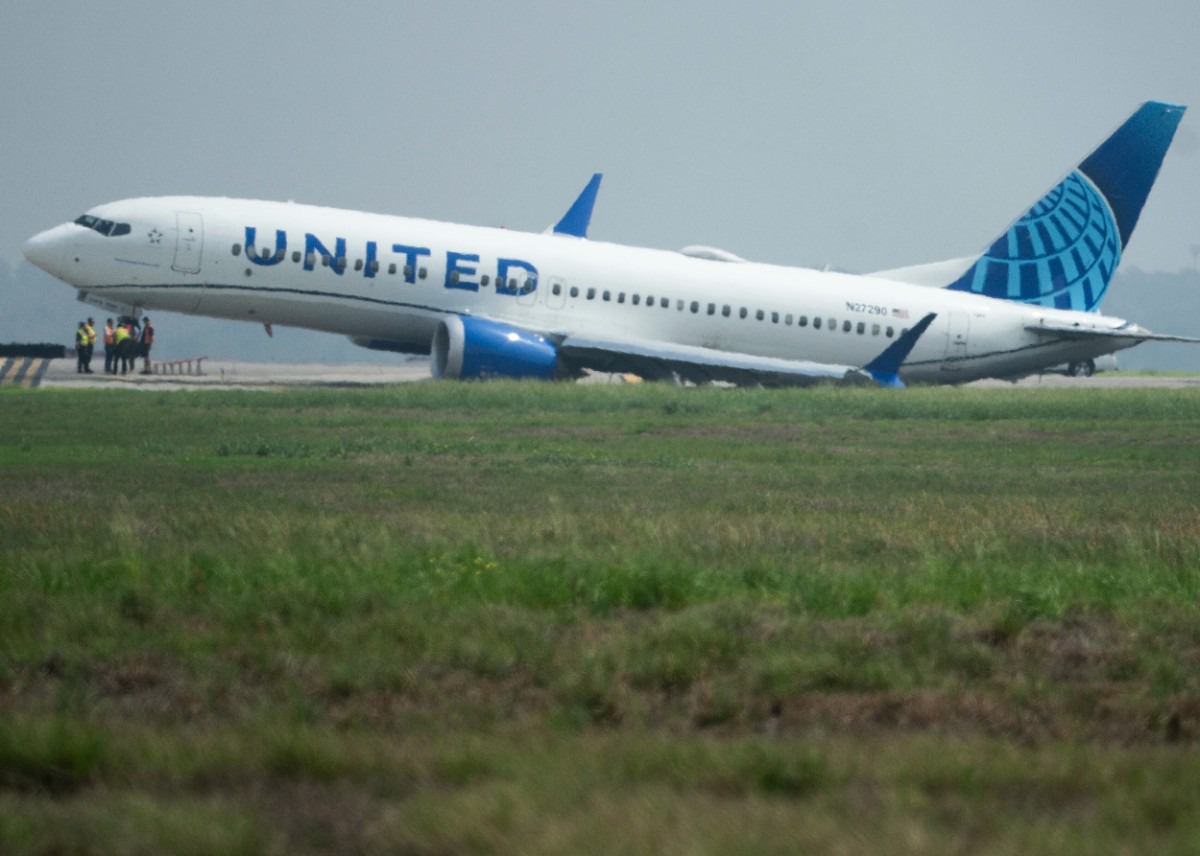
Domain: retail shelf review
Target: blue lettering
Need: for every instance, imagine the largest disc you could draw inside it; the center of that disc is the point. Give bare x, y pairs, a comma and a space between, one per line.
517, 284
369, 271
312, 246
270, 258
410, 259
456, 271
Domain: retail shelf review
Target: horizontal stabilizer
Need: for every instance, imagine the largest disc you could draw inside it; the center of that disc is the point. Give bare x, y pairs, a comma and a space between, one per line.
1127, 334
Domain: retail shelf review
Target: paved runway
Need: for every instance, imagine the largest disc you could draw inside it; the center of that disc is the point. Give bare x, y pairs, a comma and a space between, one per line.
224, 374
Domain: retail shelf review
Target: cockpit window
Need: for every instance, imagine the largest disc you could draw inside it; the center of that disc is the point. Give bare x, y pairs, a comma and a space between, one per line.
105, 227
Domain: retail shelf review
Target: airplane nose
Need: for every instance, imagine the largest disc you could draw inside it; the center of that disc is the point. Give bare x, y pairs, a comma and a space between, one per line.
46, 249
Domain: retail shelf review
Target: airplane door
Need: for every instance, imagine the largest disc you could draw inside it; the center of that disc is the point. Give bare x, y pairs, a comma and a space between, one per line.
556, 294
189, 241
957, 334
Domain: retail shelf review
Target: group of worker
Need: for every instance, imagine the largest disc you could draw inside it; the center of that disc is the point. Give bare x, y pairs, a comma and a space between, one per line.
123, 344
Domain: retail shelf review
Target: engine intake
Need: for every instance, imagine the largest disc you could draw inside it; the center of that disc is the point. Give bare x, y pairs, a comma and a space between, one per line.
466, 348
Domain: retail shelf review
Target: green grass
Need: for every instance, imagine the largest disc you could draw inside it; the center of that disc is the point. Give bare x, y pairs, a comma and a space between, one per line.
526, 618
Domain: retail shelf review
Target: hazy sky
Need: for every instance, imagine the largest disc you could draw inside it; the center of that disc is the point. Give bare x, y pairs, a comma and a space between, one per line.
863, 135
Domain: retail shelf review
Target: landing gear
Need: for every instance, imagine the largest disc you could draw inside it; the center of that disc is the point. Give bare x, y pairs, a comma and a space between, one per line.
1082, 368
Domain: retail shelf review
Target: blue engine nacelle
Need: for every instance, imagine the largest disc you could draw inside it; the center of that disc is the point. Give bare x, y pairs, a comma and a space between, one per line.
466, 348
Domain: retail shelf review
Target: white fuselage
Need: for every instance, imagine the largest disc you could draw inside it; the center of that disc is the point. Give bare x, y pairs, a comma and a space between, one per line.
402, 275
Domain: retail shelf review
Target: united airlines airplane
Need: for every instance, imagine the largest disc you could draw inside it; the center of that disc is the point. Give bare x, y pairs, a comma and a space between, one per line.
487, 302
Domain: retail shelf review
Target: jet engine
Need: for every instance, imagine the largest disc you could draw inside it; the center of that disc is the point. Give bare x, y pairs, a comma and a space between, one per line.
474, 348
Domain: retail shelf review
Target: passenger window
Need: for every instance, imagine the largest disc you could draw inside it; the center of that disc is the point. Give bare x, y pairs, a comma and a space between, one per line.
802, 321
422, 273
695, 306
621, 297
454, 276
591, 294
774, 317
636, 299
375, 267
392, 268
679, 305
816, 324
760, 315
279, 254
725, 310
607, 295
743, 312
712, 309
528, 287
833, 325
846, 325
341, 263
874, 329
324, 260
664, 303
484, 280
574, 291
358, 264
556, 289
266, 253
862, 328
890, 332
295, 257
237, 249
787, 319
650, 300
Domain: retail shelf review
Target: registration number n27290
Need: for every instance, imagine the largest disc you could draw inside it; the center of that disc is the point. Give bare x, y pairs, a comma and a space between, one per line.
866, 308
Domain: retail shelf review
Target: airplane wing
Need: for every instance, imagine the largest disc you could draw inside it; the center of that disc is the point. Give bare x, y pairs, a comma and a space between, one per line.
933, 274
659, 361
1123, 336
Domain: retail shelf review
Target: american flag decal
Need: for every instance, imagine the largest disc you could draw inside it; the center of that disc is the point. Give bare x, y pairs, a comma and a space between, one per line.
899, 313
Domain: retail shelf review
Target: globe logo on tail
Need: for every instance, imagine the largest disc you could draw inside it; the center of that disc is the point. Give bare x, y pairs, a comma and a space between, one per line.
1061, 254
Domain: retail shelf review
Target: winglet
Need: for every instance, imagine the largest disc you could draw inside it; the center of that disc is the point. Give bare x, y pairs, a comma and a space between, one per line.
885, 369
575, 221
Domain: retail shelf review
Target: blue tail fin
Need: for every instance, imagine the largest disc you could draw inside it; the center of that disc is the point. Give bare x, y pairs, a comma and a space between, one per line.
1064, 251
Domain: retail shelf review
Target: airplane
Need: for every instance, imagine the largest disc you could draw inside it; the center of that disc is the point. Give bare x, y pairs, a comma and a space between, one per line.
491, 302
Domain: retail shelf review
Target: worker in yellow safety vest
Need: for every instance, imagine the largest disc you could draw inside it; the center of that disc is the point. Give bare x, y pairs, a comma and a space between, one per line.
110, 347
91, 345
123, 339
81, 346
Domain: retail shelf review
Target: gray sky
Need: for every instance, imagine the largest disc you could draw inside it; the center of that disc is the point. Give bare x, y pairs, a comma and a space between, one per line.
864, 135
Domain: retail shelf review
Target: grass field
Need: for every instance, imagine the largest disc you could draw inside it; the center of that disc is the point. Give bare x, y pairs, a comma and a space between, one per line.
511, 618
